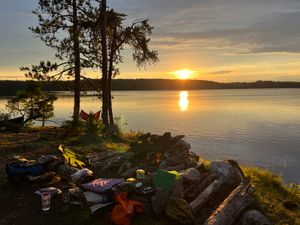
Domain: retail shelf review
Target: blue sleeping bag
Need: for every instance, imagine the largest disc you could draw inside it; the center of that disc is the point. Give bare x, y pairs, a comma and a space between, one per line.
19, 169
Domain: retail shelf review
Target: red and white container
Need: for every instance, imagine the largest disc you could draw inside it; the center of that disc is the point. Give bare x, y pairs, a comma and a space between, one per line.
45, 201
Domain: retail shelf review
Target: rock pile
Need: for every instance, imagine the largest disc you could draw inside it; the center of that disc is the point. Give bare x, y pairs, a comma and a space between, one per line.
165, 152
149, 152
214, 194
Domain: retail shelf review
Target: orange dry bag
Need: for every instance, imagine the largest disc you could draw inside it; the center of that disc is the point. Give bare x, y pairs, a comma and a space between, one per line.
125, 209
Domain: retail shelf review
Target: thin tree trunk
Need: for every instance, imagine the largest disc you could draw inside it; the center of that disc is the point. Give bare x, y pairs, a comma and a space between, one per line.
110, 73
104, 65
77, 64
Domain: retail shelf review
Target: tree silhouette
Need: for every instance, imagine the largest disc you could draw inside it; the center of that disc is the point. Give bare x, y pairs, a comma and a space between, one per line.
32, 103
114, 39
85, 34
59, 28
104, 63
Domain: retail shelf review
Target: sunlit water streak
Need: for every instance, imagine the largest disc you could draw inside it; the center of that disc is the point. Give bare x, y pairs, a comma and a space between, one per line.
183, 100
259, 127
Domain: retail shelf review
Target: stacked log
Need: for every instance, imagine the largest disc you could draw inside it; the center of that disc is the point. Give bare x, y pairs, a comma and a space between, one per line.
192, 191
205, 196
233, 206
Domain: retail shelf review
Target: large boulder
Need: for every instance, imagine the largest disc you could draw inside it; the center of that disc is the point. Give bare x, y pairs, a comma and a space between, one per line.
178, 167
178, 189
253, 217
226, 173
180, 145
191, 175
177, 158
159, 200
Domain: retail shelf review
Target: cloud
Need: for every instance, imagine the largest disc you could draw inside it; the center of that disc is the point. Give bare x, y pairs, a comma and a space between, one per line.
277, 34
218, 72
214, 35
252, 26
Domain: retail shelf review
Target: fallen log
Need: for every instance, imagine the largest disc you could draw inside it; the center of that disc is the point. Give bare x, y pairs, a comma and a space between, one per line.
193, 191
205, 196
229, 211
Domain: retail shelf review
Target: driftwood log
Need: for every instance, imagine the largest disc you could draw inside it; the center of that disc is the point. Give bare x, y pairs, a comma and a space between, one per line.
229, 211
193, 191
205, 196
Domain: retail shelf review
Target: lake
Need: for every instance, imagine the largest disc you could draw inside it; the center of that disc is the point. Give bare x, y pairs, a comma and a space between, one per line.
257, 127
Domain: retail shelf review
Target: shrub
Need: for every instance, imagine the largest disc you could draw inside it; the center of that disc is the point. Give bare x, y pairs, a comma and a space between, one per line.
93, 128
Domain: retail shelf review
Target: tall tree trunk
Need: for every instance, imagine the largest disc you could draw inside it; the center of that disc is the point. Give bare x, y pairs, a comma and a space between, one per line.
110, 112
110, 74
104, 65
75, 34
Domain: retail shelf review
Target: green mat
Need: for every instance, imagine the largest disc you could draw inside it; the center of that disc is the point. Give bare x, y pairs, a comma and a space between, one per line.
164, 179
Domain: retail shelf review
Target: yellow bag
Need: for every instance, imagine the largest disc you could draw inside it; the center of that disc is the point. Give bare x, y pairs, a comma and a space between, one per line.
71, 157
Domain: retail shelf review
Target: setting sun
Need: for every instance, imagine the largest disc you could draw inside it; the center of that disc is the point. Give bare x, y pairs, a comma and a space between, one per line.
183, 74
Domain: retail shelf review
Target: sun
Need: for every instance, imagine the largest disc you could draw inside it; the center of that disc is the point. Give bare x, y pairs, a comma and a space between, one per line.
183, 74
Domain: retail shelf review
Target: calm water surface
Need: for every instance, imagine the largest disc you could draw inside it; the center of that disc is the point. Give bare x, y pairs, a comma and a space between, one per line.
259, 127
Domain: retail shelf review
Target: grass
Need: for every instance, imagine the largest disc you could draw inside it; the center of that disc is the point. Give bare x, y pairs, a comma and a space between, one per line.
120, 147
206, 163
131, 135
270, 194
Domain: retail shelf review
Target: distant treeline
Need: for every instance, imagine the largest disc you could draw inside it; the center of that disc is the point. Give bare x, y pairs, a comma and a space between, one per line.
9, 88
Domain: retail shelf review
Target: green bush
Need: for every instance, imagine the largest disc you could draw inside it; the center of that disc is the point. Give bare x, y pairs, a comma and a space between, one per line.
93, 128
120, 124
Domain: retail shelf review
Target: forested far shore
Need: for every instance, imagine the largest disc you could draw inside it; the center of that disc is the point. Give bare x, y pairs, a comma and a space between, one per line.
9, 88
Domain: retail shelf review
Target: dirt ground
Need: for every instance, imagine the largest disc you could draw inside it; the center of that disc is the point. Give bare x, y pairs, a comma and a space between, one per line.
19, 205
18, 202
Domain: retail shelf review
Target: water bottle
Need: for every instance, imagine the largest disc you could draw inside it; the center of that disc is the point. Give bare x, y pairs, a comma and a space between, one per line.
140, 174
66, 195
45, 201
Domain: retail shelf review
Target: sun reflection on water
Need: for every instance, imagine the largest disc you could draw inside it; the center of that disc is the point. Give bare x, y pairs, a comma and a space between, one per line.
183, 100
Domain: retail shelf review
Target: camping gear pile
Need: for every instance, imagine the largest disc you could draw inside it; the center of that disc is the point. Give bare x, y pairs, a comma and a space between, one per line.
159, 175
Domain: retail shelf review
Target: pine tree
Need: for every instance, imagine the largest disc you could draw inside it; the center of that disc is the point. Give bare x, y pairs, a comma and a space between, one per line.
114, 39
59, 28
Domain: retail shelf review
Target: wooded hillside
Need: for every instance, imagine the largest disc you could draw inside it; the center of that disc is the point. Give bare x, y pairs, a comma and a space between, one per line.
9, 88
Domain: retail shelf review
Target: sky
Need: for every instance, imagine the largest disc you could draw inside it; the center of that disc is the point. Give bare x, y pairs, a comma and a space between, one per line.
218, 40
